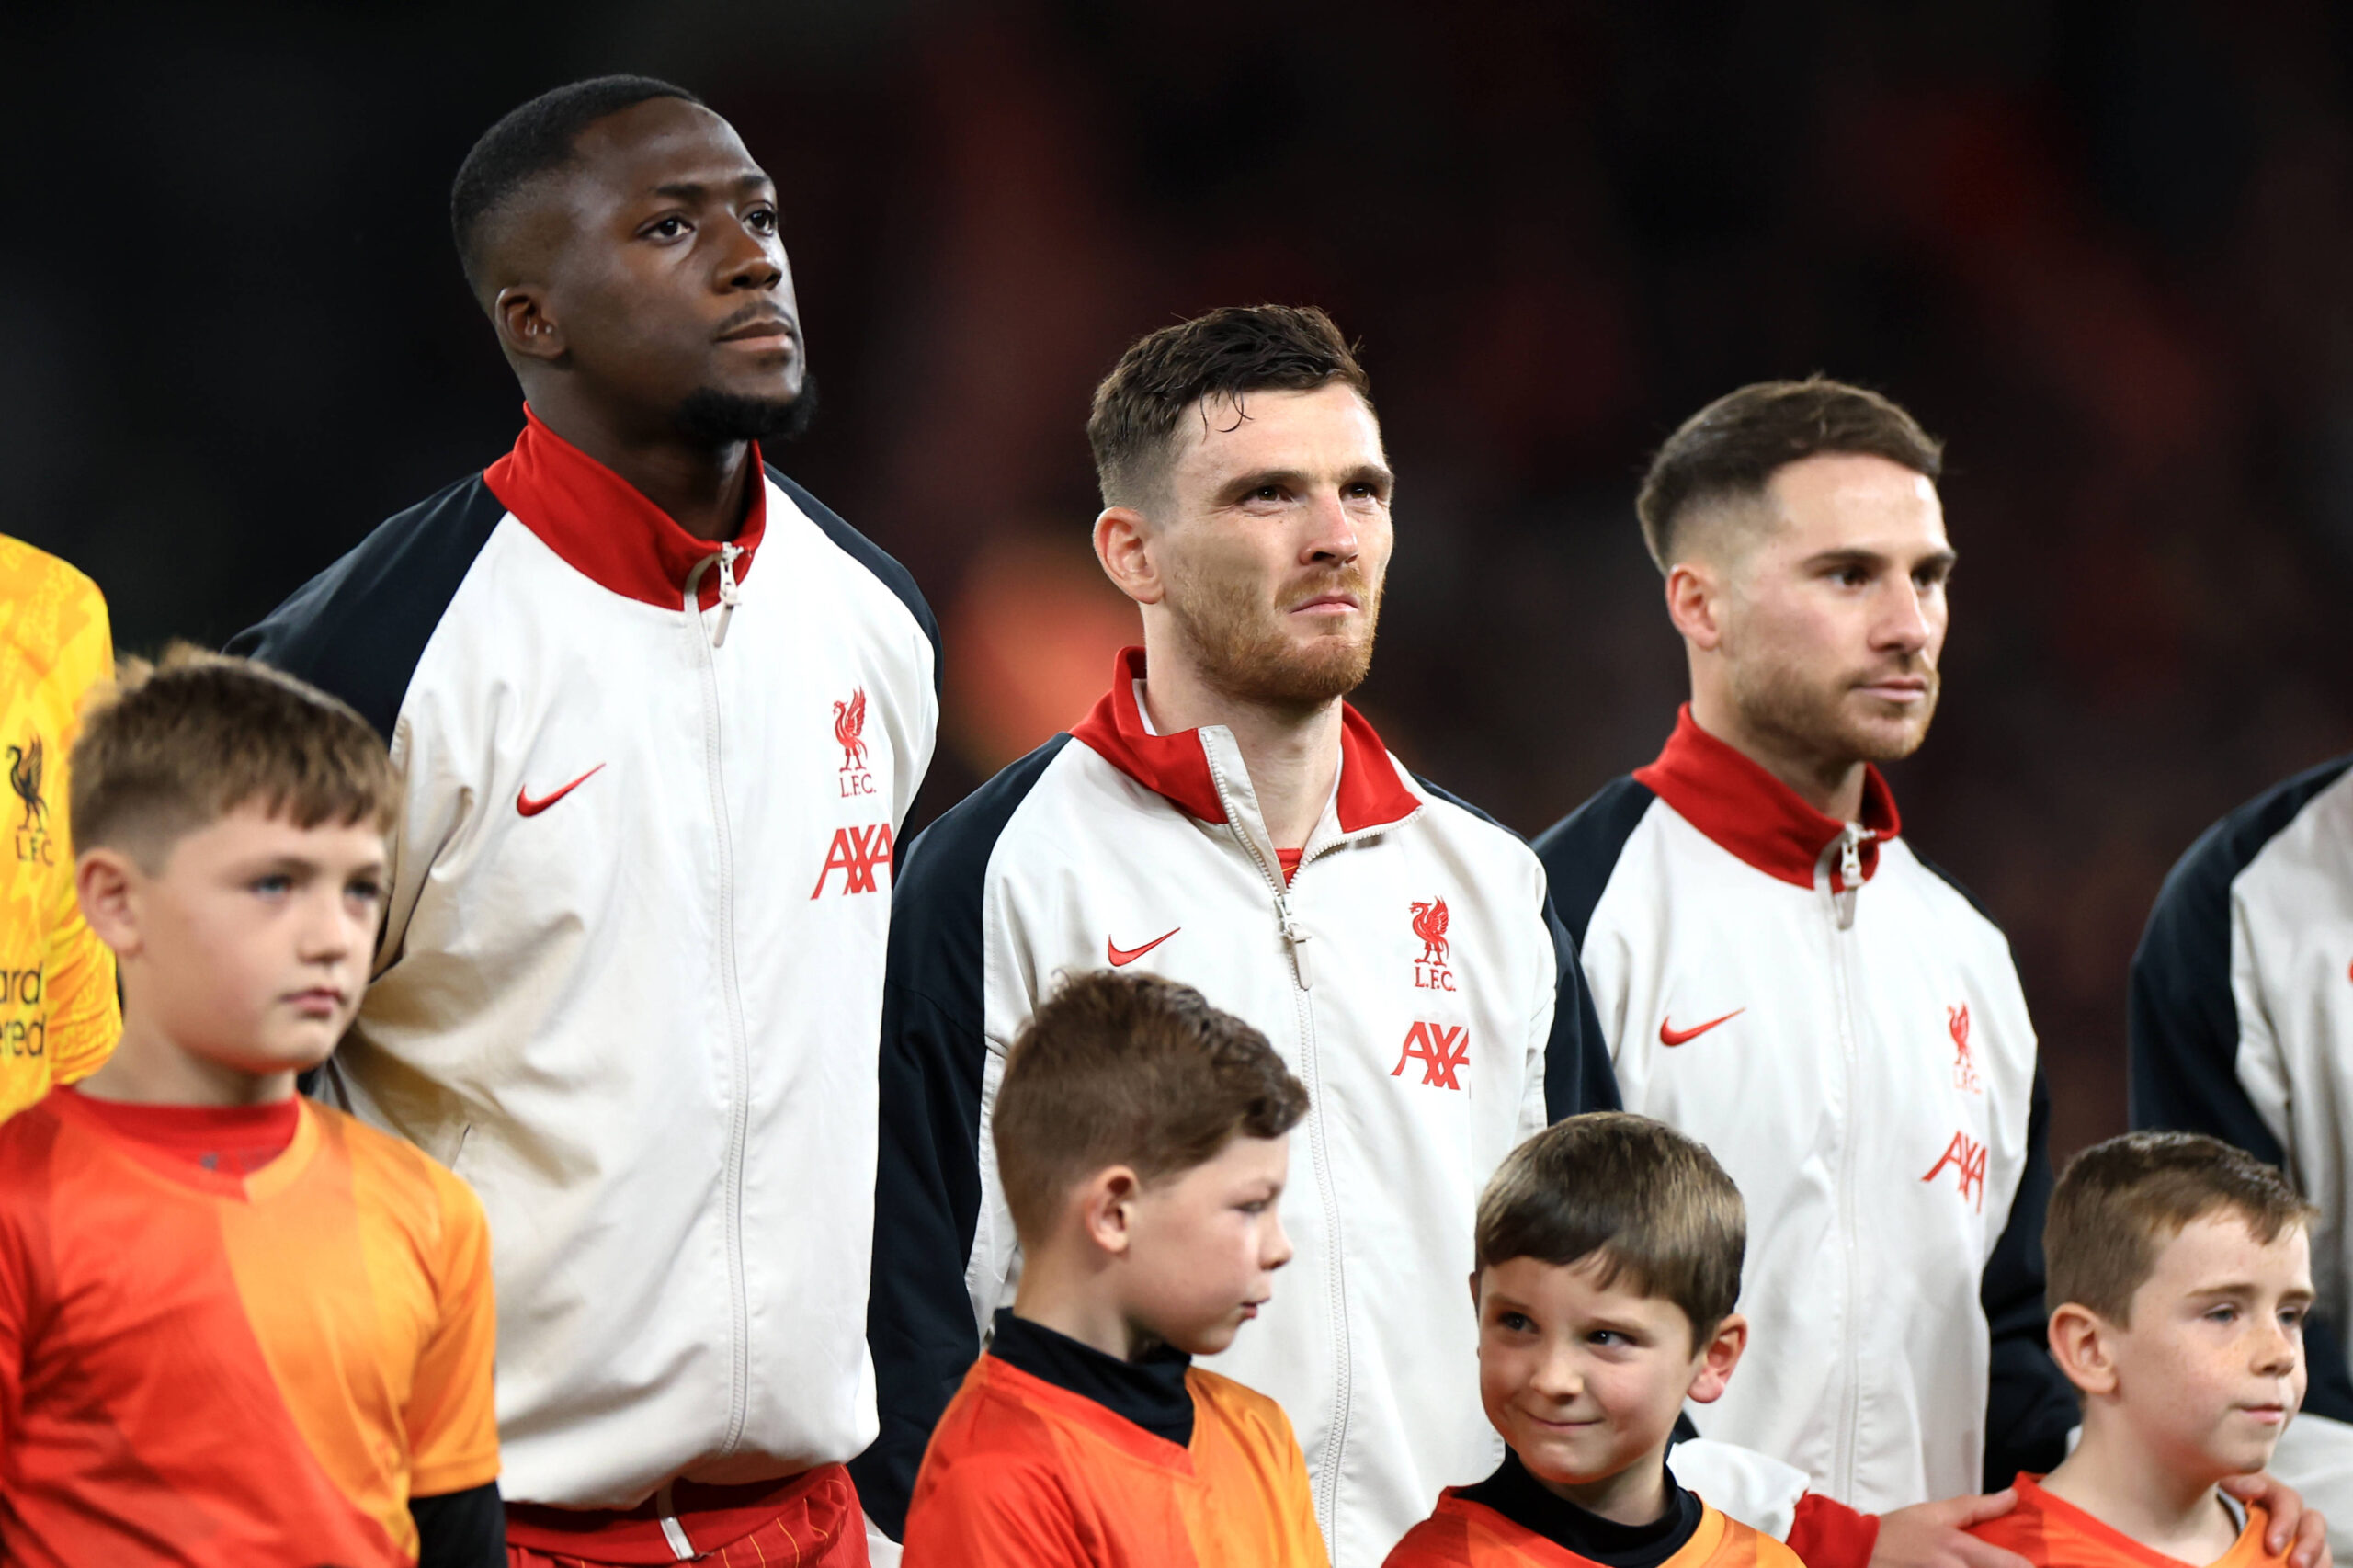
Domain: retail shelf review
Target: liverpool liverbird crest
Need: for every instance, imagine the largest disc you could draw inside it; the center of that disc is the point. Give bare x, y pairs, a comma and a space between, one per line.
1964, 1065
1430, 924
24, 777
849, 728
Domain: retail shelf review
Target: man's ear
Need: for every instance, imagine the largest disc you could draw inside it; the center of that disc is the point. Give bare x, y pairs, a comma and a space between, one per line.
1695, 595
1107, 1208
1123, 539
2083, 1343
527, 324
107, 880
1717, 1358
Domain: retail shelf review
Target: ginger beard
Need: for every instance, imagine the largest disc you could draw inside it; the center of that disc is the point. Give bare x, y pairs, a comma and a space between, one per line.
1247, 650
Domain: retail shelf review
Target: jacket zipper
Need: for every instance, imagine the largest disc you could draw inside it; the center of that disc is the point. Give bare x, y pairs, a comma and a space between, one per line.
1842, 923
738, 1046
1296, 937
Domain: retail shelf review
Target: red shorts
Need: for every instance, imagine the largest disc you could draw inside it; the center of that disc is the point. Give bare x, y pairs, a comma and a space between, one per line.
809, 1521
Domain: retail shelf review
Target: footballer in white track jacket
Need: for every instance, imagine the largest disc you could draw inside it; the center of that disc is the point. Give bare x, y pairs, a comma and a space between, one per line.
1408, 975
630, 979
1844, 1030
2242, 1025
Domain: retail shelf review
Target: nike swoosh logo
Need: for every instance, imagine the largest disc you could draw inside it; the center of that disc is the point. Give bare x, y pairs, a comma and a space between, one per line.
1121, 957
530, 808
1668, 1035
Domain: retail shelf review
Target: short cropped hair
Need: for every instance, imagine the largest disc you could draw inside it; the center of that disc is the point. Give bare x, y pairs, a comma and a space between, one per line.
1132, 1070
1652, 1204
178, 744
1730, 450
1229, 353
2118, 1203
537, 138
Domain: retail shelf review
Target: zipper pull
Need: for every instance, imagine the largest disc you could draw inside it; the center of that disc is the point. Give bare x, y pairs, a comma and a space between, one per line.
728, 596
1850, 873
1298, 937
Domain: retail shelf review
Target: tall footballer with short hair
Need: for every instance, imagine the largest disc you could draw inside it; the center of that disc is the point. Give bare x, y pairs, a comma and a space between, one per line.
1781, 977
658, 714
1223, 818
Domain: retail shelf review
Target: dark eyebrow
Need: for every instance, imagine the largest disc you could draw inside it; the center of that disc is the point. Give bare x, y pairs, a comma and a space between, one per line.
1291, 477
1942, 559
695, 190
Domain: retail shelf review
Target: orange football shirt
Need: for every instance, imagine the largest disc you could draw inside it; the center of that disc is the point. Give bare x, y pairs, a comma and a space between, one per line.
235, 1371
1462, 1534
1022, 1473
2051, 1532
58, 1014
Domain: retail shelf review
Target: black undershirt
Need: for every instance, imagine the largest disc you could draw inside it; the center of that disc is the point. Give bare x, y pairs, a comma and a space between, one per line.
1524, 1501
1150, 1392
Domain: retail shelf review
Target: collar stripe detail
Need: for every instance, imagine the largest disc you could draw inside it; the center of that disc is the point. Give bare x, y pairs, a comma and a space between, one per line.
1745, 810
604, 529
1371, 793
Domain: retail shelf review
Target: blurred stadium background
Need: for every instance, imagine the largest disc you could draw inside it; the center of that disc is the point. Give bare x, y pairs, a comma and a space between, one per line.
2104, 248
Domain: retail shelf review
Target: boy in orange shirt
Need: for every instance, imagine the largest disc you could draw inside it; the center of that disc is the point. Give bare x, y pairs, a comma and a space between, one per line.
237, 1330
1141, 1137
2183, 1271
1609, 1250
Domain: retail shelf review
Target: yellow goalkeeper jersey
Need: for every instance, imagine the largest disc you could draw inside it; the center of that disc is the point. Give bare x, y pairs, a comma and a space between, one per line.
59, 1015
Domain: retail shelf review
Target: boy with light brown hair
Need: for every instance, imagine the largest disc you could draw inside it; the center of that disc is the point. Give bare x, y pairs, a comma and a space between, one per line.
1608, 1258
1142, 1140
237, 1330
2182, 1269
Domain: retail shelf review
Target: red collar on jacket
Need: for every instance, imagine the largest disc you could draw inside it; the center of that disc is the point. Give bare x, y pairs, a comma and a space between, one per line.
1371, 793
604, 529
1736, 802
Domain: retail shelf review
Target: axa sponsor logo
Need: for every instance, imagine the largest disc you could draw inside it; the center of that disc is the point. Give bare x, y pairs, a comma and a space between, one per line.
849, 733
860, 855
1965, 1157
34, 845
1431, 972
1964, 1063
1441, 1049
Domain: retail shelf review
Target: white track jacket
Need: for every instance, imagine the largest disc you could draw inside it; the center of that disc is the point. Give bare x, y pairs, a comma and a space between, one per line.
631, 974
1844, 1030
1408, 975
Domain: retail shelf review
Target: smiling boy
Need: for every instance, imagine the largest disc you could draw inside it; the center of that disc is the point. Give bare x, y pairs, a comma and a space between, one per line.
1144, 1139
1608, 1263
237, 1330
2183, 1269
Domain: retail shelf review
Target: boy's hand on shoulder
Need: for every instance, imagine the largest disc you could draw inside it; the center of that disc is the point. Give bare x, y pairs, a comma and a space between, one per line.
2290, 1519
1934, 1535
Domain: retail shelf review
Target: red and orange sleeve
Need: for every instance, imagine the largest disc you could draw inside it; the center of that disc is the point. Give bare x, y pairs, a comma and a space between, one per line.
452, 1419
1305, 1536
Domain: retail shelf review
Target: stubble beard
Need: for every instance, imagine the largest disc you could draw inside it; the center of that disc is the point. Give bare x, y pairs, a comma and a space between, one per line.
1244, 654
1812, 716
